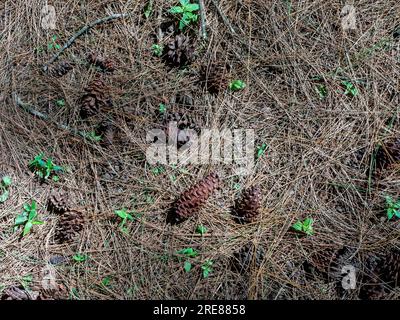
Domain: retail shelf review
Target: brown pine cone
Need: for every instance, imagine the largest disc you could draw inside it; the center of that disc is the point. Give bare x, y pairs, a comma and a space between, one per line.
247, 208
69, 225
247, 257
180, 52
214, 77
183, 123
60, 69
191, 200
104, 63
384, 277
388, 154
58, 202
95, 100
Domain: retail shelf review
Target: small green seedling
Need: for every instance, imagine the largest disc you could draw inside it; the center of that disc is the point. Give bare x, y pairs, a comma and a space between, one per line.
53, 44
125, 216
80, 257
162, 108
60, 102
351, 89
93, 136
186, 9
158, 170
393, 208
201, 229
305, 226
187, 266
4, 188
237, 85
106, 282
45, 169
188, 253
157, 50
148, 9
261, 150
322, 91
207, 268
237, 186
27, 219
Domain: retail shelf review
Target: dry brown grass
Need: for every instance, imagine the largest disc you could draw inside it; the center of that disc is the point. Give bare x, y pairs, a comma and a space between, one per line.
316, 163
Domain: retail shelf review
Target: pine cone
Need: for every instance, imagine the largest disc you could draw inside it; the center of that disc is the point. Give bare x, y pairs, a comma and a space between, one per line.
96, 99
70, 224
247, 257
385, 276
248, 206
180, 52
191, 200
214, 77
388, 154
58, 202
104, 63
183, 122
61, 69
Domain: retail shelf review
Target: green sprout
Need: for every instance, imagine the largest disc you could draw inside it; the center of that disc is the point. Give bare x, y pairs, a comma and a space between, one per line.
393, 208
261, 150
188, 253
53, 44
207, 268
201, 229
237, 85
351, 89
4, 188
322, 91
148, 9
80, 257
45, 169
157, 49
186, 9
125, 216
27, 219
305, 226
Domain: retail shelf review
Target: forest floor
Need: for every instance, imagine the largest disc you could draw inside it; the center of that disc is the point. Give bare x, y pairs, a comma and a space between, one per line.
322, 102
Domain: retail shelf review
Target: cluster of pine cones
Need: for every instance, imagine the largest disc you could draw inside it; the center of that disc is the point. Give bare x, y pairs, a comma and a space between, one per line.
71, 221
247, 208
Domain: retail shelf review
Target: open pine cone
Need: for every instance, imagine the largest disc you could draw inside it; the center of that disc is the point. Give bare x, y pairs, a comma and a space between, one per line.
214, 77
58, 201
180, 52
247, 208
183, 123
191, 200
385, 276
69, 225
388, 154
95, 100
60, 69
104, 63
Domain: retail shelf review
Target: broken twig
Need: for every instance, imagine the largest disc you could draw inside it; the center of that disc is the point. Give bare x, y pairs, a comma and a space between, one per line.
203, 20
81, 32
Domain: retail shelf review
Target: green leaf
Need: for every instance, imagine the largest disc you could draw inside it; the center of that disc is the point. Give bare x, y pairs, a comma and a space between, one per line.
157, 50
21, 219
390, 213
80, 257
322, 91
201, 229
261, 150
4, 196
176, 10
188, 16
237, 85
189, 252
56, 178
60, 103
123, 214
37, 222
6, 181
187, 266
298, 226
106, 281
148, 10
183, 23
184, 2
162, 108
191, 7
27, 228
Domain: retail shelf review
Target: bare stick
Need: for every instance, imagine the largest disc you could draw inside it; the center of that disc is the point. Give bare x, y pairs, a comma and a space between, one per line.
28, 108
203, 19
223, 16
81, 32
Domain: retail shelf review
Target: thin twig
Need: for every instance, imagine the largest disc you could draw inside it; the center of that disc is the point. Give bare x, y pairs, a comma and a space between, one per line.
81, 32
203, 19
223, 16
28, 108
